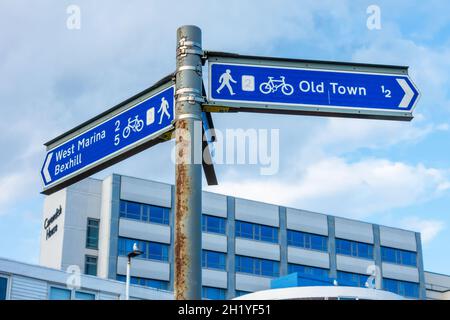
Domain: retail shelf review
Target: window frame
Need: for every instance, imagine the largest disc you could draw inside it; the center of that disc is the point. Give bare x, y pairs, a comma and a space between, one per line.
8, 286
355, 248
144, 245
359, 275
403, 283
257, 266
222, 224
221, 290
87, 233
86, 263
206, 265
256, 233
307, 238
123, 279
398, 256
145, 210
71, 291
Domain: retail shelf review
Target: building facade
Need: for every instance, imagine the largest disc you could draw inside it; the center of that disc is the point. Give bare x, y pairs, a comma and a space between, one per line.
93, 224
24, 281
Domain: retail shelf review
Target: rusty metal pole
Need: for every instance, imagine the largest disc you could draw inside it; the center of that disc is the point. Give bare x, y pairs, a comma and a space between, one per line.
188, 167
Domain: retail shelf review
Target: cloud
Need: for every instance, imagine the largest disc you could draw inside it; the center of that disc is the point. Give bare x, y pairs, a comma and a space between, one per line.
14, 187
354, 189
428, 228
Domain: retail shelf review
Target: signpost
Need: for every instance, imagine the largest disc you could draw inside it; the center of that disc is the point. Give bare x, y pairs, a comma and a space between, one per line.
274, 85
235, 83
121, 131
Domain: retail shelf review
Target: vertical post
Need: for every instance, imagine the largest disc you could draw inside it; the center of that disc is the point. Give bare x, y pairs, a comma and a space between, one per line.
127, 281
188, 174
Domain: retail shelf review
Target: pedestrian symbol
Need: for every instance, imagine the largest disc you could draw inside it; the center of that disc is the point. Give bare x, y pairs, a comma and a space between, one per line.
163, 109
224, 80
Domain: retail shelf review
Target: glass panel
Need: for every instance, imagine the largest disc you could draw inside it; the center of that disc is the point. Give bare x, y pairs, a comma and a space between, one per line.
133, 210
204, 223
409, 258
92, 234
90, 266
59, 294
343, 247
353, 248
408, 289
120, 277
84, 296
3, 288
307, 240
388, 254
214, 224
269, 234
146, 209
213, 293
156, 214
215, 260
241, 293
245, 230
364, 251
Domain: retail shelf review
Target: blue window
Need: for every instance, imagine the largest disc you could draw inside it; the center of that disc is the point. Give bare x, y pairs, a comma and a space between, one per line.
79, 295
403, 288
144, 212
66, 294
256, 232
90, 265
213, 224
354, 249
213, 260
257, 266
92, 233
151, 250
152, 283
3, 288
241, 293
213, 293
308, 271
403, 257
351, 279
59, 294
307, 240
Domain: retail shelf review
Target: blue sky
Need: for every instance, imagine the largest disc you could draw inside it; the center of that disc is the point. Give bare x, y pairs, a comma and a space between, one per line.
397, 174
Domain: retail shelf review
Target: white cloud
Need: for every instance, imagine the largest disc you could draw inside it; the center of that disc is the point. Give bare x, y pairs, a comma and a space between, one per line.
428, 228
15, 186
335, 186
443, 127
340, 136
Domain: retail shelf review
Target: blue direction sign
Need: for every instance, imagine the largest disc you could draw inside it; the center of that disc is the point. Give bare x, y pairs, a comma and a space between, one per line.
368, 94
145, 119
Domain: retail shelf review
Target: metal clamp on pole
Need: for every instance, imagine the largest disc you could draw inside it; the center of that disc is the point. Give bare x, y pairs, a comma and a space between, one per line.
197, 69
189, 47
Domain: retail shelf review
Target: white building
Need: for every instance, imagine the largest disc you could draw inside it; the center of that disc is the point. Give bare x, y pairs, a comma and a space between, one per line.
23, 281
246, 244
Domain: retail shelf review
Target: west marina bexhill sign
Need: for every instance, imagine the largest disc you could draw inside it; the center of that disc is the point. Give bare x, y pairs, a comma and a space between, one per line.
122, 131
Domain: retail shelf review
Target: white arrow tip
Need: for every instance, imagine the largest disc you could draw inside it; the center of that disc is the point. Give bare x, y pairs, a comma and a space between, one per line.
45, 171
409, 94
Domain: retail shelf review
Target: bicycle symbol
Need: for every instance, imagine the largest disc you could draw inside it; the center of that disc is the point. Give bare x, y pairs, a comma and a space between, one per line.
134, 125
273, 85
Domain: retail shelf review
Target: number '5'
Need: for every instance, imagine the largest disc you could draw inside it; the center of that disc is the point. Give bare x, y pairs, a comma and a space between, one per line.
117, 136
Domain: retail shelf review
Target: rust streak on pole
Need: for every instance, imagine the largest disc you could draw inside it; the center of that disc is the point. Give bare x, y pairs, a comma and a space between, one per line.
188, 174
